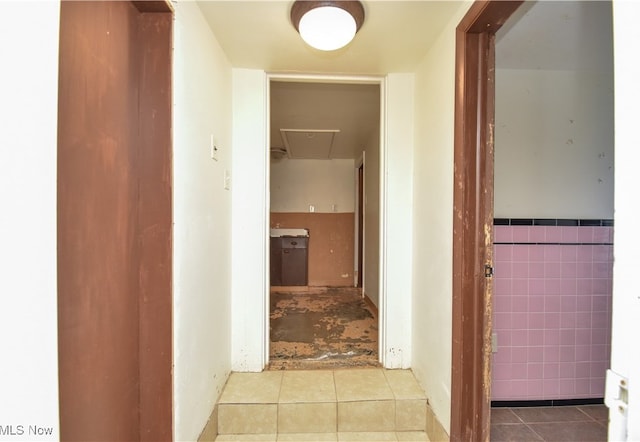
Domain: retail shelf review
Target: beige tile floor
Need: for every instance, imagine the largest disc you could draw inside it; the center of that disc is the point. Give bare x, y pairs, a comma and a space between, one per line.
408, 436
318, 405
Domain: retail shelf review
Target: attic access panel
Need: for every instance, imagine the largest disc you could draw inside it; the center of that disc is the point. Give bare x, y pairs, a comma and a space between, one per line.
313, 144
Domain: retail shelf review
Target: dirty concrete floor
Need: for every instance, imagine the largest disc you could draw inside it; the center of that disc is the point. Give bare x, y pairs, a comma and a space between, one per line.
322, 328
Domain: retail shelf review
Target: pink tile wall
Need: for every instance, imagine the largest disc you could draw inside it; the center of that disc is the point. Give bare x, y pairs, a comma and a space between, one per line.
552, 312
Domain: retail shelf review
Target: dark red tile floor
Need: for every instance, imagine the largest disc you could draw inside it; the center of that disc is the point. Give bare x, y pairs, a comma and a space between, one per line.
585, 423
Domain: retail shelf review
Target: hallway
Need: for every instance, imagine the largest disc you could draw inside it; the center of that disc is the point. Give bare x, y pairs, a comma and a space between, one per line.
315, 327
217, 180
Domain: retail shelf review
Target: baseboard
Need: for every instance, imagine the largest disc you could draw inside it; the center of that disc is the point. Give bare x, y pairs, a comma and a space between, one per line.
370, 304
435, 430
547, 403
292, 288
304, 288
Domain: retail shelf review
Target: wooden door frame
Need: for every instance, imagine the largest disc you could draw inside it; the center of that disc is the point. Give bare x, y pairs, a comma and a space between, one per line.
359, 224
103, 322
473, 218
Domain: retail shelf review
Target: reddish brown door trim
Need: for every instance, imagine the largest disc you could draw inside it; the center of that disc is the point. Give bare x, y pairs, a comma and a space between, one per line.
153, 5
473, 218
360, 224
154, 205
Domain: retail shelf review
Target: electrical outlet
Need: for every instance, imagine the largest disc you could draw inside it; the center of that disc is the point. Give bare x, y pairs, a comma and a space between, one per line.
312, 208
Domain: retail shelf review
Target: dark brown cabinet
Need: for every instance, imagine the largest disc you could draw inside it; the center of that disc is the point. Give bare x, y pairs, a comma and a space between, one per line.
289, 261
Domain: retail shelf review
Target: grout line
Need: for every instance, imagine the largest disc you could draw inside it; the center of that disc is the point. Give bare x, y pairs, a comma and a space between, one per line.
386, 379
516, 415
586, 414
535, 432
335, 390
604, 422
278, 405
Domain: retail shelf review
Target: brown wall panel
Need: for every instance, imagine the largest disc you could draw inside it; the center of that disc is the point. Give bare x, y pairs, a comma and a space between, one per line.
97, 300
331, 245
107, 229
154, 224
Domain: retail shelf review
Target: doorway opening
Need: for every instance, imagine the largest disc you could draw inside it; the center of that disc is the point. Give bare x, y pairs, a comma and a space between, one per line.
553, 222
359, 256
323, 297
473, 220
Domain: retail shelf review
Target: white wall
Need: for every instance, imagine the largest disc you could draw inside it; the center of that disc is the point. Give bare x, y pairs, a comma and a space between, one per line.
296, 184
625, 359
250, 221
397, 200
28, 148
432, 220
554, 144
202, 222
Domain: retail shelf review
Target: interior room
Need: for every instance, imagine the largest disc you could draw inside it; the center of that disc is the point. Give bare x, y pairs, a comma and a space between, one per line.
324, 149
553, 225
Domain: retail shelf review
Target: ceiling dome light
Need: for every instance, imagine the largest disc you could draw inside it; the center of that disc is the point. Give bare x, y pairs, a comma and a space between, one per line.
327, 25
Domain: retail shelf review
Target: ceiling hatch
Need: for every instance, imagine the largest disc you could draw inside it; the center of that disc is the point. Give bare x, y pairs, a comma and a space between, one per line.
311, 144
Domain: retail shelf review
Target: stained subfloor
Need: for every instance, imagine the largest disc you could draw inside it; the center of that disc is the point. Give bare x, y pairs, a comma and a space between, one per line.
559, 424
322, 328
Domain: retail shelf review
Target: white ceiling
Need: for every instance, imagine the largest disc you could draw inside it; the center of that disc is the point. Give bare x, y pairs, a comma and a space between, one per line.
394, 38
352, 109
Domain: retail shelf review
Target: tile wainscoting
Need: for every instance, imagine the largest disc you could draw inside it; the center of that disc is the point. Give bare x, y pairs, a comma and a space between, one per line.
551, 308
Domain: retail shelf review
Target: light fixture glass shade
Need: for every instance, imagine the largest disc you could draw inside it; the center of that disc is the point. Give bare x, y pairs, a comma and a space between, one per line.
327, 28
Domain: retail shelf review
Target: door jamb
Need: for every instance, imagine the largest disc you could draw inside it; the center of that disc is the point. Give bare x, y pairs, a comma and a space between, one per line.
473, 218
360, 193
321, 78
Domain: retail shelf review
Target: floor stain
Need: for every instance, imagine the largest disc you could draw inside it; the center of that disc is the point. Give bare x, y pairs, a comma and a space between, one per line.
322, 328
